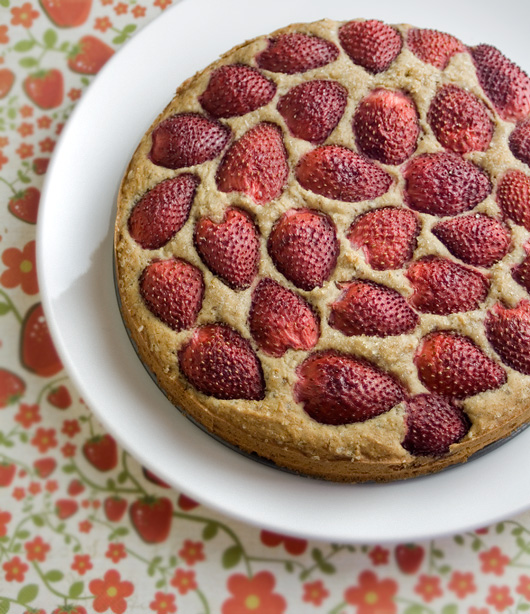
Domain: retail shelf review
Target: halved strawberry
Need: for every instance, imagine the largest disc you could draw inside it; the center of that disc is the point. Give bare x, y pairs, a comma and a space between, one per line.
508, 331
236, 90
520, 141
475, 239
340, 388
303, 246
12, 387
162, 211
459, 120
386, 236
256, 164
444, 184
433, 47
280, 320
219, 362
313, 109
443, 287
173, 291
340, 173
521, 273
386, 126
187, 139
433, 424
372, 44
230, 249
296, 52
452, 365
513, 197
505, 84
367, 308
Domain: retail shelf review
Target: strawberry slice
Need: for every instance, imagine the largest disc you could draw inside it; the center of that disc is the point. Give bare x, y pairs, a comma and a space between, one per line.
386, 236
520, 141
443, 287
434, 47
338, 172
173, 291
386, 127
162, 211
280, 320
340, 388
521, 273
187, 139
508, 331
505, 84
230, 249
304, 247
444, 184
236, 90
433, 424
219, 362
256, 165
296, 52
372, 44
452, 365
367, 308
459, 120
313, 109
513, 197
478, 240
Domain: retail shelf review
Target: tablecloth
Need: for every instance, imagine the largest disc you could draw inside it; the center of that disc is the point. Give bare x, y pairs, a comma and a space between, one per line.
84, 527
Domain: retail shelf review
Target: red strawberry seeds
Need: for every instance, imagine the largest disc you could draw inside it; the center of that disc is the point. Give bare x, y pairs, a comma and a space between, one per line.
372, 44
513, 197
433, 47
520, 141
521, 273
508, 331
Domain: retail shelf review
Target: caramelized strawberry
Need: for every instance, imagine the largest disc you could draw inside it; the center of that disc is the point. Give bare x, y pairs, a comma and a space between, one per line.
443, 287
367, 308
433, 424
372, 44
386, 236
386, 127
475, 239
296, 52
508, 331
338, 172
459, 120
453, 366
280, 320
513, 197
219, 362
505, 84
444, 184
162, 211
235, 90
304, 247
520, 141
256, 165
230, 249
433, 47
173, 291
313, 109
521, 273
340, 388
187, 139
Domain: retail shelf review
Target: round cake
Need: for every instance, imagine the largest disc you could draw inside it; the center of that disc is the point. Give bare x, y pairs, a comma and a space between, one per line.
322, 249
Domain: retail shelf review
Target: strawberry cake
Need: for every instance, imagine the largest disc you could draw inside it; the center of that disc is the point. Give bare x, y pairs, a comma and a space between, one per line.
322, 249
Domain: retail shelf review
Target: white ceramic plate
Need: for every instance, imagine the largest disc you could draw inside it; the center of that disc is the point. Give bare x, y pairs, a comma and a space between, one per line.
75, 256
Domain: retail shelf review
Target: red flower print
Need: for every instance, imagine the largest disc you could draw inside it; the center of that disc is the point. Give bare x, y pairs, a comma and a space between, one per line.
163, 603
163, 4
462, 584
138, 11
27, 415
5, 517
25, 129
102, 24
51, 486
68, 450
44, 122
26, 110
192, 552
85, 526
292, 545
82, 563
34, 488
315, 592
71, 428
184, 580
4, 141
18, 493
24, 151
36, 550
3, 159
473, 610
379, 556
106, 2
68, 609
110, 592
372, 596
21, 269
59, 128
4, 38
121, 8
253, 595
24, 15
74, 93
523, 588
44, 439
15, 570
428, 587
494, 561
47, 144
499, 597
116, 552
